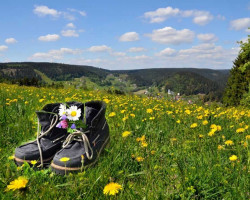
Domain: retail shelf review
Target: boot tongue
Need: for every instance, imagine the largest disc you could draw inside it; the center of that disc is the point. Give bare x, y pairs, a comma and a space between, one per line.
90, 114
44, 119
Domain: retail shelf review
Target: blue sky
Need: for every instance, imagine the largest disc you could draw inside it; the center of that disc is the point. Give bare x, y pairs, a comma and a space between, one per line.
129, 34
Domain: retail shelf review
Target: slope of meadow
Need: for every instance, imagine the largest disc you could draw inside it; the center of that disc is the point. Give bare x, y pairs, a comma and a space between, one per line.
174, 151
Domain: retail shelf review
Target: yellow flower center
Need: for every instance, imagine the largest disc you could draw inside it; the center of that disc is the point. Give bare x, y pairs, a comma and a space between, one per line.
73, 113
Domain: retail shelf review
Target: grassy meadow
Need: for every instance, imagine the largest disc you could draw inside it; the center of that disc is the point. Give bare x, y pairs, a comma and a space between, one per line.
158, 150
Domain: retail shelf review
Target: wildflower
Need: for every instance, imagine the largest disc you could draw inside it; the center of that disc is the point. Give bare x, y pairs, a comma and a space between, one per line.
26, 102
106, 101
73, 113
33, 162
64, 124
211, 132
139, 159
188, 112
240, 130
233, 158
218, 128
173, 139
193, 125
178, 121
112, 114
64, 159
229, 142
153, 152
124, 118
62, 110
11, 157
41, 100
126, 134
19, 183
141, 138
201, 136
132, 115
73, 126
144, 144
151, 118
220, 147
248, 137
149, 110
123, 111
112, 188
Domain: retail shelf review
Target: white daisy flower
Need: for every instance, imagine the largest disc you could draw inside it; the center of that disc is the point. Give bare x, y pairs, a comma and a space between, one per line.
62, 110
73, 113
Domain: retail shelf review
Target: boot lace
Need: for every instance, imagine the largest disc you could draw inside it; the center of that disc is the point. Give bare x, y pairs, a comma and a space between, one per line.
40, 134
80, 136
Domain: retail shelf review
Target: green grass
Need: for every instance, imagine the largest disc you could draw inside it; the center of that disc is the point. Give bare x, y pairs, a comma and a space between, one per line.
45, 78
185, 162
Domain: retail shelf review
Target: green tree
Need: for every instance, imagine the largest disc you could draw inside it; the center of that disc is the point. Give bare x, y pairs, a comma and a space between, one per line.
238, 81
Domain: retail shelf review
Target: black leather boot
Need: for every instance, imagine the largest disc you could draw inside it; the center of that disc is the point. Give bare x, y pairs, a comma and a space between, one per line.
83, 147
48, 142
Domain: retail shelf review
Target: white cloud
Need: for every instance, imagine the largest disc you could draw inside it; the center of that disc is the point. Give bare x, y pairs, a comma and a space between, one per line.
162, 14
221, 17
3, 47
239, 24
44, 10
55, 54
69, 33
70, 25
81, 12
129, 37
166, 52
49, 38
136, 49
10, 41
209, 37
202, 17
68, 16
101, 48
117, 53
169, 35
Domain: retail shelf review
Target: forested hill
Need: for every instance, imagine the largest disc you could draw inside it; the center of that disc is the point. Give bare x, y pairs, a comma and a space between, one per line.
184, 80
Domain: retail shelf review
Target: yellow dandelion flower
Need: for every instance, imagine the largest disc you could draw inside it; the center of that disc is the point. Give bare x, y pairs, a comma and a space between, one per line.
248, 137
240, 130
26, 102
220, 147
64, 159
205, 122
19, 183
139, 159
201, 136
188, 112
33, 162
193, 125
149, 110
126, 134
106, 101
229, 142
153, 152
112, 114
11, 157
144, 144
233, 158
211, 132
178, 121
41, 100
173, 139
123, 111
132, 115
112, 188
124, 118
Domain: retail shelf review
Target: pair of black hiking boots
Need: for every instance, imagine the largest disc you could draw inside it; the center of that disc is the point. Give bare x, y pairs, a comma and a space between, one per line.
69, 152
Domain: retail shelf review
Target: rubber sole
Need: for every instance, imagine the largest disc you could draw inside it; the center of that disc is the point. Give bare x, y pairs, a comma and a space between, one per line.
61, 170
19, 161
